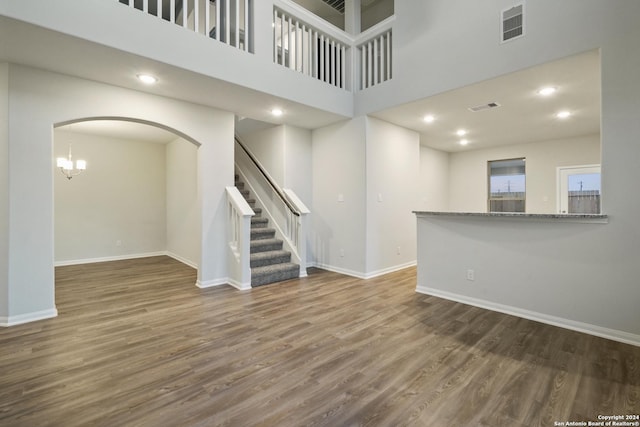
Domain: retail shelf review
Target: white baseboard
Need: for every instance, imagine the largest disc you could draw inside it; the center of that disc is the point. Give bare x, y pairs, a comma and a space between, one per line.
599, 331
212, 283
183, 260
361, 275
28, 317
239, 286
107, 259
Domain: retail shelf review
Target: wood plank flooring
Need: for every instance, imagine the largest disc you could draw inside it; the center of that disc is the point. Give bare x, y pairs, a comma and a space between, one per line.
137, 344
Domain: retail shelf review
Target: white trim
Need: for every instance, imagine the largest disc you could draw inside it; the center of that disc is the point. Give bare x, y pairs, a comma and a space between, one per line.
390, 270
211, 283
599, 331
239, 286
107, 259
185, 261
363, 276
28, 317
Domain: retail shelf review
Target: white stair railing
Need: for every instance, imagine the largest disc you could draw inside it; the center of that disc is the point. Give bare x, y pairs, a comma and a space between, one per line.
287, 213
227, 21
239, 215
303, 47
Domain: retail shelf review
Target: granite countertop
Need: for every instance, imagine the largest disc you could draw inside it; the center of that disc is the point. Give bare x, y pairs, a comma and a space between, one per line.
593, 217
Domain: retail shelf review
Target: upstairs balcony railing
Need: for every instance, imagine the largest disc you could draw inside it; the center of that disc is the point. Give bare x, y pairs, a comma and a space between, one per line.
302, 41
227, 21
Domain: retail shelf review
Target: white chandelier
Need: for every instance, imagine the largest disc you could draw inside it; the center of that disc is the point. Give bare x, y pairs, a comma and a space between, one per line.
67, 167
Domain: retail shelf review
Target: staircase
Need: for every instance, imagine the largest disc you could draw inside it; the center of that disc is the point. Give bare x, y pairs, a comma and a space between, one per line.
269, 262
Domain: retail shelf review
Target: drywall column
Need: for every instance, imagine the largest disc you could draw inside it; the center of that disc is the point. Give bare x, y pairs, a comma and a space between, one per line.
4, 192
352, 13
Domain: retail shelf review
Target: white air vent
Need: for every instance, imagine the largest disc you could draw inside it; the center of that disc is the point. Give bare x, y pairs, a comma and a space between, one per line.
336, 4
488, 106
512, 23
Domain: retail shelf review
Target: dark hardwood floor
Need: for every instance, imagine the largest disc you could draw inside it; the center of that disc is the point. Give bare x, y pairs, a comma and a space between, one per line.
137, 344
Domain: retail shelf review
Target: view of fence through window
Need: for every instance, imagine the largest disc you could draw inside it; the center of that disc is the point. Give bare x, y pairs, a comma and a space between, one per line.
507, 185
584, 193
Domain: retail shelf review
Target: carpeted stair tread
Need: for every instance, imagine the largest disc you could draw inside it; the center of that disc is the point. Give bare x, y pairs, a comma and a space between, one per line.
261, 259
264, 245
274, 273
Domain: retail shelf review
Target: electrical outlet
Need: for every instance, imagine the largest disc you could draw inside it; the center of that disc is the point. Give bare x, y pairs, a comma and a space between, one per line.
398, 250
342, 253
118, 242
471, 275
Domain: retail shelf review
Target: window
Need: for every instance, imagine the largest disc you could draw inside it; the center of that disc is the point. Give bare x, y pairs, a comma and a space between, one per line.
507, 185
579, 189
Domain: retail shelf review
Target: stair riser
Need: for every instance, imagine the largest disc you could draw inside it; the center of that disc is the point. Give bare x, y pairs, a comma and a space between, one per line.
270, 261
274, 277
263, 248
262, 234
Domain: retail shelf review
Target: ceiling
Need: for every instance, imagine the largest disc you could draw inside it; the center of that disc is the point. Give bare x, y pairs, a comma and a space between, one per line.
523, 116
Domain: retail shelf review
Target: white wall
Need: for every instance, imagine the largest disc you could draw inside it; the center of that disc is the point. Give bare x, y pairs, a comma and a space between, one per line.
297, 160
183, 215
468, 171
339, 173
268, 146
392, 169
38, 100
432, 189
117, 207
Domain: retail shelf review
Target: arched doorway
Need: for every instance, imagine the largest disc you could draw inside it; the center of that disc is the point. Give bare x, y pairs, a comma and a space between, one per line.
137, 197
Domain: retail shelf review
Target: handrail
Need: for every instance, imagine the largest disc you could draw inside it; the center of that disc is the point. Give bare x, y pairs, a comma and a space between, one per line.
273, 185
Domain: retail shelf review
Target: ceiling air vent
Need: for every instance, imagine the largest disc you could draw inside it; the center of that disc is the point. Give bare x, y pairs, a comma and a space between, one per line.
512, 23
336, 4
484, 107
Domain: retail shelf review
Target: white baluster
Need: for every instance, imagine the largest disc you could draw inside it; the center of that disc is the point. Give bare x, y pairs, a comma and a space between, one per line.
248, 27
314, 54
343, 57
370, 64
298, 47
196, 15
283, 21
218, 19
305, 50
322, 57
237, 29
172, 11
375, 62
185, 12
331, 62
227, 22
145, 6
363, 67
159, 9
275, 37
207, 17
388, 55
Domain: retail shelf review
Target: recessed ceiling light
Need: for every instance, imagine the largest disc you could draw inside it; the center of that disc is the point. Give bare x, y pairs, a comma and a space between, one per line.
547, 91
461, 132
147, 79
276, 112
428, 118
563, 114
464, 142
